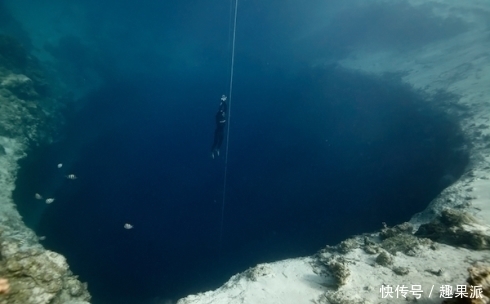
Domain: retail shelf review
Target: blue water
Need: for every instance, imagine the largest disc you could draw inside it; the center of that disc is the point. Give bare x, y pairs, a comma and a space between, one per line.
305, 170
315, 155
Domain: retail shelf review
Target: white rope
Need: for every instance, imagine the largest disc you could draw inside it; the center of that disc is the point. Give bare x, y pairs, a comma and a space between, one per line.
230, 96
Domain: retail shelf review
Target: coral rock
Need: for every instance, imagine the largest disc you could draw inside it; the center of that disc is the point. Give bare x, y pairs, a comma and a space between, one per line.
20, 85
479, 276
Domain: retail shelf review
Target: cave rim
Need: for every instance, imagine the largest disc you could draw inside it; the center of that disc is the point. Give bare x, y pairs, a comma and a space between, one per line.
292, 257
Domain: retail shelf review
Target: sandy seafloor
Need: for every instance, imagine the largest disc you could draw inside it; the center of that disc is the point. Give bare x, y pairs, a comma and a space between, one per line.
460, 65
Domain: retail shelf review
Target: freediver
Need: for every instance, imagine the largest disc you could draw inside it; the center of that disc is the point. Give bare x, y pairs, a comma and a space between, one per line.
219, 132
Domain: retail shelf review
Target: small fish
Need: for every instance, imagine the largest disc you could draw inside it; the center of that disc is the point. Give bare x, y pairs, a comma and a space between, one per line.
128, 226
49, 200
38, 196
42, 238
71, 176
60, 165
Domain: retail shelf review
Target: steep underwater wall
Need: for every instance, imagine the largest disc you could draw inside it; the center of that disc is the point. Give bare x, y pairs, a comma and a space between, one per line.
35, 275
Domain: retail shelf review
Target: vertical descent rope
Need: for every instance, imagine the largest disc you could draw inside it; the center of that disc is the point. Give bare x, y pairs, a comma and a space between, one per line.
229, 120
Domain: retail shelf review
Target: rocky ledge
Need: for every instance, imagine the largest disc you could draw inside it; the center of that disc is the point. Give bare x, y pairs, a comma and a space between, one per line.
34, 274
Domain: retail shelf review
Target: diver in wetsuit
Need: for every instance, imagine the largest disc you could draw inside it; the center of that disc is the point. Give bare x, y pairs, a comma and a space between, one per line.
219, 132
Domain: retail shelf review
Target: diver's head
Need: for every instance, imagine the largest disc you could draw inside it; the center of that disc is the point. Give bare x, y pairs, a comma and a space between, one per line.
223, 98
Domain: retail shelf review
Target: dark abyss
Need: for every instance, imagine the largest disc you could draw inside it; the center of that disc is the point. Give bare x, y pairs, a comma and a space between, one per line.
315, 155
313, 158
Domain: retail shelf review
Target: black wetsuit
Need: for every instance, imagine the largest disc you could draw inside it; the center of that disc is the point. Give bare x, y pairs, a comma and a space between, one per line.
219, 132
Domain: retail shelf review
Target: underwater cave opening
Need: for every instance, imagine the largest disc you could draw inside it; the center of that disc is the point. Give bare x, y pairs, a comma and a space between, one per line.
314, 158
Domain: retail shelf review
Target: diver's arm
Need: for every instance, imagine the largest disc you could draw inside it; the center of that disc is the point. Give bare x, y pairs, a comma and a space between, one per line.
223, 107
